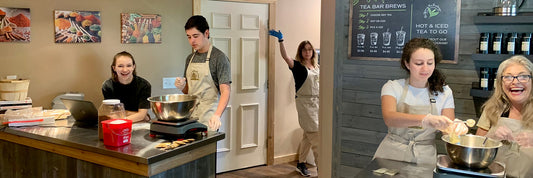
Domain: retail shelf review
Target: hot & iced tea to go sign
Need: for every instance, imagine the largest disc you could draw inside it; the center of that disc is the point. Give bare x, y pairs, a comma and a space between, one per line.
379, 29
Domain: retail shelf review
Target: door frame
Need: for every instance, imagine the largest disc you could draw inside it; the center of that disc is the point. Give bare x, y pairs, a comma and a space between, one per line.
271, 82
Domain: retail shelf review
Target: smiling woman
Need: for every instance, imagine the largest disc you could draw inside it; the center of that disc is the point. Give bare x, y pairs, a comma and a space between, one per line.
416, 107
129, 88
508, 116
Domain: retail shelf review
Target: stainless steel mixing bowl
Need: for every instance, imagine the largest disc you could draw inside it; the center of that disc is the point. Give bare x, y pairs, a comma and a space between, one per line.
471, 152
174, 107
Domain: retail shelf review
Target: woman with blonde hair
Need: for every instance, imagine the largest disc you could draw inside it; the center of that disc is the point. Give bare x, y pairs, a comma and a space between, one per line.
306, 71
508, 116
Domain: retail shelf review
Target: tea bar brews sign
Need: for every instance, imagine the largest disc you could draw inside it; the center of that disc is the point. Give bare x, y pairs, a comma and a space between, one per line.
379, 29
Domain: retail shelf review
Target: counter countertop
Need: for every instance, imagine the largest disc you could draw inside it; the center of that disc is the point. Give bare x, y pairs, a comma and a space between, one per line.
404, 169
142, 148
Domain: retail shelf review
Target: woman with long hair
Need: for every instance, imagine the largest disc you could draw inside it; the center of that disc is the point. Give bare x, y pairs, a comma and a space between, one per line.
416, 107
508, 116
306, 72
129, 88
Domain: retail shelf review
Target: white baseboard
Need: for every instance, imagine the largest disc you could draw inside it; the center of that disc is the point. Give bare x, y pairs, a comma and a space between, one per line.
285, 158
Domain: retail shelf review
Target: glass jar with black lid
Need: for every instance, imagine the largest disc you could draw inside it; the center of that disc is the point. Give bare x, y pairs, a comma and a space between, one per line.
513, 43
497, 43
484, 43
526, 43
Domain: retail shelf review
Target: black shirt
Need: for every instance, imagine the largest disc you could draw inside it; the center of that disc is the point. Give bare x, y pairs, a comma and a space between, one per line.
134, 95
299, 72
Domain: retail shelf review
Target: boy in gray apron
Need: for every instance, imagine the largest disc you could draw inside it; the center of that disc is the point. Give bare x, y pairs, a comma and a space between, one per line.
208, 75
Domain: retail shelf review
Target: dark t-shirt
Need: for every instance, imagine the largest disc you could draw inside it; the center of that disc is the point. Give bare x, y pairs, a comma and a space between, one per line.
219, 66
134, 95
299, 72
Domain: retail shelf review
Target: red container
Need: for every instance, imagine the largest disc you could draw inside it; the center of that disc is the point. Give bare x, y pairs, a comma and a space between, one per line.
117, 132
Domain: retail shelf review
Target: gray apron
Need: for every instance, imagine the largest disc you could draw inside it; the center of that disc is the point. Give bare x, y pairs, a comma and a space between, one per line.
307, 101
518, 161
413, 144
201, 84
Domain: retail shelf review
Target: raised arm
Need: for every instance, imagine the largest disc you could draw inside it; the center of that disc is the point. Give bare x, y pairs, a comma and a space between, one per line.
279, 35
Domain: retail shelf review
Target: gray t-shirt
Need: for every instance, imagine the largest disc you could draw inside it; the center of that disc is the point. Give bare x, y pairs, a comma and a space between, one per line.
219, 66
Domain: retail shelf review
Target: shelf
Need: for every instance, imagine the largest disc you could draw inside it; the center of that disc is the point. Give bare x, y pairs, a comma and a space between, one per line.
495, 57
503, 20
475, 92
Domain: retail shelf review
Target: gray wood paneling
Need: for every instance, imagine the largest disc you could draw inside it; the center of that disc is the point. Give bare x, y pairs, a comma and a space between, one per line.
359, 124
348, 172
364, 123
364, 97
361, 135
360, 148
366, 110
354, 160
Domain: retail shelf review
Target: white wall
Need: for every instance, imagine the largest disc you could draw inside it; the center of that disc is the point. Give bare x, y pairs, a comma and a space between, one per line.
298, 20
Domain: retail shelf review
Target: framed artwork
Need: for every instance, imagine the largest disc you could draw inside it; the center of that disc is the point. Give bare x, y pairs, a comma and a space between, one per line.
15, 24
77, 26
140, 28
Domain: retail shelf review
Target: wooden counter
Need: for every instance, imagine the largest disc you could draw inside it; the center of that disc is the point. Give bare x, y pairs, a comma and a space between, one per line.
66, 150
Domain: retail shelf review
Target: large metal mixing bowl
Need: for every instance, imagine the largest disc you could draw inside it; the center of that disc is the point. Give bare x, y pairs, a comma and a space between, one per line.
174, 107
471, 152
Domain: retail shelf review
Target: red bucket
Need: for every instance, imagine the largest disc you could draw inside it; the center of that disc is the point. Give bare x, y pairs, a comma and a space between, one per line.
117, 132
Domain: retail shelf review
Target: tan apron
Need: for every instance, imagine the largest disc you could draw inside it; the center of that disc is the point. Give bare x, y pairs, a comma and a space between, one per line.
413, 144
518, 161
307, 101
201, 84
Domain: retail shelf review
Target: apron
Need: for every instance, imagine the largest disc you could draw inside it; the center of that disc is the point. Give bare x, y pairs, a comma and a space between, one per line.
307, 101
201, 84
518, 161
413, 144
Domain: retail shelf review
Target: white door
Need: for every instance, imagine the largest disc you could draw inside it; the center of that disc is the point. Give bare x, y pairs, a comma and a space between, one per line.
240, 30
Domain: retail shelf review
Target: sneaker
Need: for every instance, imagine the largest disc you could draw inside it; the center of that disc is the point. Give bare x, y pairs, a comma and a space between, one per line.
302, 169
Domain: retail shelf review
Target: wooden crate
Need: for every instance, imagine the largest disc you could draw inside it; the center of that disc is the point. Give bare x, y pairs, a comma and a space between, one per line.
14, 90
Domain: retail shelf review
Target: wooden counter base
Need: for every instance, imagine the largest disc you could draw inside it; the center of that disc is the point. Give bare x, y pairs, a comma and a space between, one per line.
25, 157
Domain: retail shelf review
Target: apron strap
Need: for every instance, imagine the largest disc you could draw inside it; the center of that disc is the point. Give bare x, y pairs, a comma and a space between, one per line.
432, 100
208, 54
404, 91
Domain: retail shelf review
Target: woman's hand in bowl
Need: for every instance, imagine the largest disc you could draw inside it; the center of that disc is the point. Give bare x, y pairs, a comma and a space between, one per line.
435, 121
458, 127
525, 139
501, 133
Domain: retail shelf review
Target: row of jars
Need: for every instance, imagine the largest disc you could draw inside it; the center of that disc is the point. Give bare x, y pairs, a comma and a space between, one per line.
505, 43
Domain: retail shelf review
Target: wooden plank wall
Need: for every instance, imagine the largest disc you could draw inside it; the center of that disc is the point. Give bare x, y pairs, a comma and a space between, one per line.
359, 123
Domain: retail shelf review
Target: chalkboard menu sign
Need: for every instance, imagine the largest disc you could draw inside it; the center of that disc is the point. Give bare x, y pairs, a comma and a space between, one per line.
379, 29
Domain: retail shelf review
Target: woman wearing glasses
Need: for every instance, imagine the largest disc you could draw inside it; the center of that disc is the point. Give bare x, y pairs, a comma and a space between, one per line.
508, 116
306, 72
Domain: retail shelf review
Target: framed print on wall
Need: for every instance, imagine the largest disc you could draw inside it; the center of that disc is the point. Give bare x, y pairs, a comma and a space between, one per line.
77, 26
140, 28
15, 24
